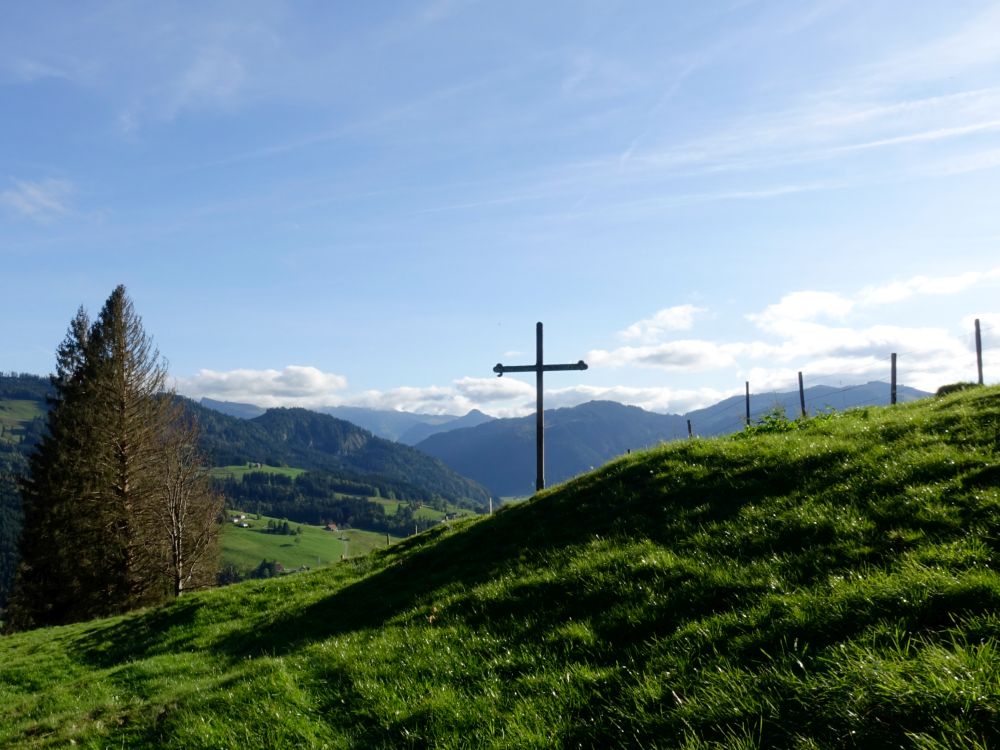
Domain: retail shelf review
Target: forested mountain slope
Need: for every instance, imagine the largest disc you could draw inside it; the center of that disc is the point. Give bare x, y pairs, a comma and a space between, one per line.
309, 440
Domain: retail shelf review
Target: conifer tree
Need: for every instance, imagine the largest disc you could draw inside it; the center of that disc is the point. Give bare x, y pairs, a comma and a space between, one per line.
53, 493
118, 510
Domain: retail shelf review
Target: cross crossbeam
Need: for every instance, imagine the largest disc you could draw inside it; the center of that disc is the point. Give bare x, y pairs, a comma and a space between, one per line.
539, 368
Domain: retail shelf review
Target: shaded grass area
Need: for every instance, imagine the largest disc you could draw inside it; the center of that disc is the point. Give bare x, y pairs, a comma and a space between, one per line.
828, 586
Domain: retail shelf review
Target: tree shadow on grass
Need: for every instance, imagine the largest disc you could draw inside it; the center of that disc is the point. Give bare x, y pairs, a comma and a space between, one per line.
624, 501
629, 499
137, 635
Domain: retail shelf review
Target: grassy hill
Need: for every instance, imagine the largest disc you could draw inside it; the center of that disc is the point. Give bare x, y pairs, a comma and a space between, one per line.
831, 586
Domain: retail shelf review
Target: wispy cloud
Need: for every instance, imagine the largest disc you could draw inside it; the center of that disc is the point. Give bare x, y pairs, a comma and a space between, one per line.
41, 200
967, 48
677, 318
28, 70
896, 291
687, 355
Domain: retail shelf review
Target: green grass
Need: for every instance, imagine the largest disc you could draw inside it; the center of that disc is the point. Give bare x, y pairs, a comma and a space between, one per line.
14, 413
830, 586
316, 547
239, 471
424, 512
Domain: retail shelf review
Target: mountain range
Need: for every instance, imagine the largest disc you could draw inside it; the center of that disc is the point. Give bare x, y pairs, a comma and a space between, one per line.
404, 427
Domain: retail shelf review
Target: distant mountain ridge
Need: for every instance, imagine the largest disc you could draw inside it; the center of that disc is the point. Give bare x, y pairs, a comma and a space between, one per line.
424, 430
386, 423
232, 408
404, 427
501, 453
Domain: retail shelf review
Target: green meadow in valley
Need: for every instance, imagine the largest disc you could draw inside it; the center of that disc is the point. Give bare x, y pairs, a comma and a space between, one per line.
816, 585
307, 546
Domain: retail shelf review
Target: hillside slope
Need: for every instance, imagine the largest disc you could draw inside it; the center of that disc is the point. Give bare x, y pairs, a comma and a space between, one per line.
829, 586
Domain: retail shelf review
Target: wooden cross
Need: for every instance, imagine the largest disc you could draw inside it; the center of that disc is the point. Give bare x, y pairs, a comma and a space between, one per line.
538, 368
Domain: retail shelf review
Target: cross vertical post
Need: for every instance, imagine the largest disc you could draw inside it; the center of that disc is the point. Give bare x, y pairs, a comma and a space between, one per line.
538, 368
539, 412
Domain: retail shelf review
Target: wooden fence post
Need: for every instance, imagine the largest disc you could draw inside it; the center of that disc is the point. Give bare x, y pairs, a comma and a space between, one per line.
802, 396
979, 352
892, 387
748, 403
689, 428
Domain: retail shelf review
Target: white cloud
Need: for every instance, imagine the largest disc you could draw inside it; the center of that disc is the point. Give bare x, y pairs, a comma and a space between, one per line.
486, 390
426, 400
665, 400
788, 314
41, 200
811, 331
677, 318
293, 386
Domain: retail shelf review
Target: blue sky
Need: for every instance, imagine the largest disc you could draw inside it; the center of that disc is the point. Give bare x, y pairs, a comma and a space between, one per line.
315, 203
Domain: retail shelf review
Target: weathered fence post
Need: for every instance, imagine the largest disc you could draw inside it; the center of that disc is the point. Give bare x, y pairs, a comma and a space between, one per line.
748, 403
979, 352
689, 428
802, 396
892, 387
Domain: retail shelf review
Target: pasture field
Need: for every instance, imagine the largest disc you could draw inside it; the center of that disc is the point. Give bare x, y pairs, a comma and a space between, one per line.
424, 512
829, 583
316, 547
14, 413
239, 471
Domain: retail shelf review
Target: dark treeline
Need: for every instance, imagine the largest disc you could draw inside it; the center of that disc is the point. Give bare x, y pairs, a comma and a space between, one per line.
318, 498
12, 466
15, 444
24, 386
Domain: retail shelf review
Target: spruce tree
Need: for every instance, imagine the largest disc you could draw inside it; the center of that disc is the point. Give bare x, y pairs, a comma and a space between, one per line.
119, 512
49, 577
